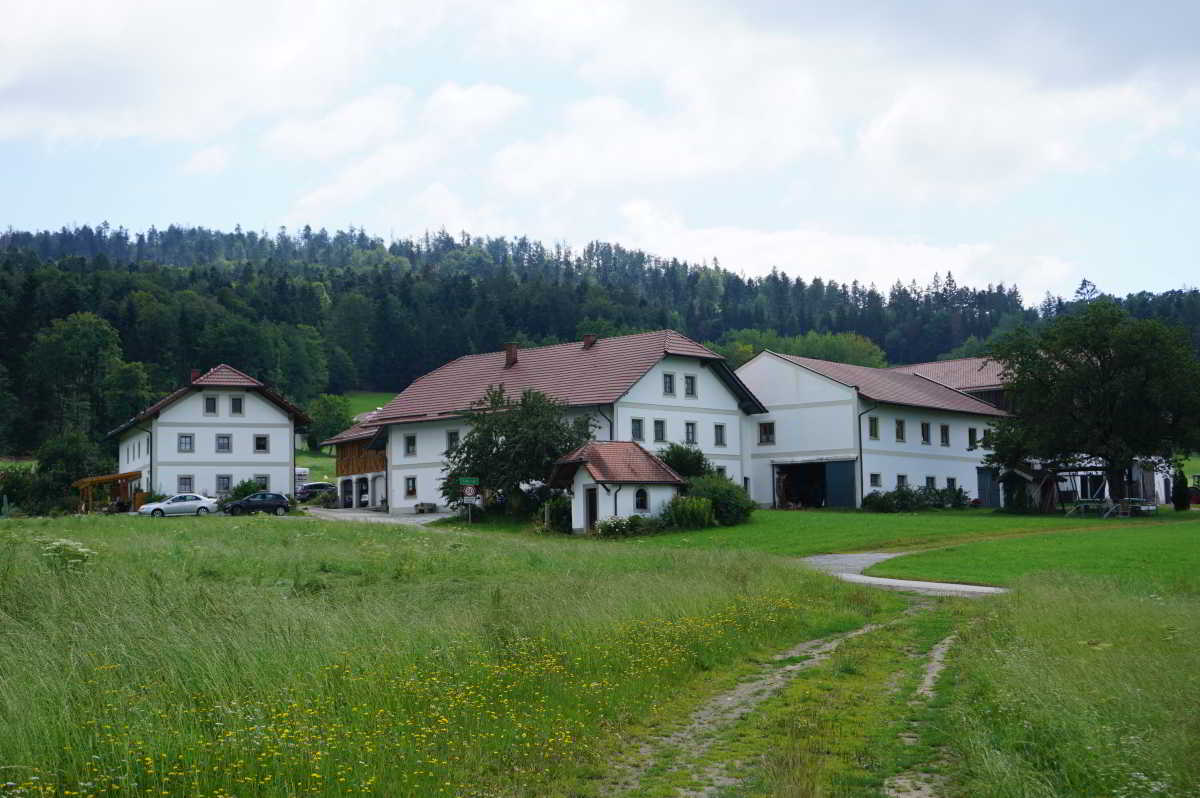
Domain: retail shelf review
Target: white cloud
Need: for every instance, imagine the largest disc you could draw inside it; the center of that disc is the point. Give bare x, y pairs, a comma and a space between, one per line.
348, 128
187, 69
208, 161
866, 258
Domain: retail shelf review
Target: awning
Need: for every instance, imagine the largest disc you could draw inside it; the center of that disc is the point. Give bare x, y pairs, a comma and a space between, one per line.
88, 482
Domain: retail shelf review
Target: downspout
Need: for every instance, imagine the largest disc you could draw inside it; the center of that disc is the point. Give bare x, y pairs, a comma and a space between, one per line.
862, 485
611, 428
615, 492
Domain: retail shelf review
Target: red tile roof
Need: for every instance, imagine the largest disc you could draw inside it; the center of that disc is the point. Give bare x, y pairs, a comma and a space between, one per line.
895, 387
571, 373
963, 374
620, 462
222, 376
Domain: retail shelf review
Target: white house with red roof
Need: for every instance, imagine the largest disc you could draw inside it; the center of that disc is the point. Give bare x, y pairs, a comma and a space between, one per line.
835, 432
614, 479
220, 429
650, 388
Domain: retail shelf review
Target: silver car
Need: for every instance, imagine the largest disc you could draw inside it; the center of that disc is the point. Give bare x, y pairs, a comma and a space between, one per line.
180, 504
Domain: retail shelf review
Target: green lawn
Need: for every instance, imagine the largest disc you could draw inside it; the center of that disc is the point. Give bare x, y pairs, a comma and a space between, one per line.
260, 657
363, 401
1165, 554
321, 466
803, 533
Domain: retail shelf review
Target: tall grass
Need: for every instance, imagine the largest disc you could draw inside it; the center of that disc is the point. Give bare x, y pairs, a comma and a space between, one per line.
1075, 687
217, 657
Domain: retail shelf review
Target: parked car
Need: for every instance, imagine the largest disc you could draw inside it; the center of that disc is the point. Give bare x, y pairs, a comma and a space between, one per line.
311, 490
180, 504
261, 502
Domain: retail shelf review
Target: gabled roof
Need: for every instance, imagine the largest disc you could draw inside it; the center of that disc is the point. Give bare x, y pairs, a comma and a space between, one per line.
363, 428
572, 373
222, 376
963, 374
615, 462
896, 387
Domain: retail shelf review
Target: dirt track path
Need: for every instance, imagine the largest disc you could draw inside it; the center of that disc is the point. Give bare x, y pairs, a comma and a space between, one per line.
923, 782
693, 739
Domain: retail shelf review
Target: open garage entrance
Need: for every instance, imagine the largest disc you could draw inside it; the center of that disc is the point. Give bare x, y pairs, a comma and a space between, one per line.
814, 484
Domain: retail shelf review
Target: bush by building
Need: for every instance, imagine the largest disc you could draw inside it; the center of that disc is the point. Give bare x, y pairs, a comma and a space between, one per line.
730, 503
908, 500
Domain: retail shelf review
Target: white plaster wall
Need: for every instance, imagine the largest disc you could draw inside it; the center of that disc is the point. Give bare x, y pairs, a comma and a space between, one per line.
428, 464
131, 456
889, 458
205, 477
713, 404
624, 495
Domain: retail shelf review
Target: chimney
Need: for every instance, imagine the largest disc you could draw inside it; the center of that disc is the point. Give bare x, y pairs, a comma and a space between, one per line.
510, 355
195, 375
589, 340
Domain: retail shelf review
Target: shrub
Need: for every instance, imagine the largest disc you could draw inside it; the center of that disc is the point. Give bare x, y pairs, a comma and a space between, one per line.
730, 503
1180, 496
628, 526
689, 512
686, 461
879, 502
907, 500
558, 513
65, 555
329, 499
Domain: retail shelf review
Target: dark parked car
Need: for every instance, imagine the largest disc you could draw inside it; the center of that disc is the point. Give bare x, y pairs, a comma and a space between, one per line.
261, 502
311, 490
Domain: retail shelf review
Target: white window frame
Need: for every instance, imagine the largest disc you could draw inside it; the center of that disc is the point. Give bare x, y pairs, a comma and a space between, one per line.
641, 499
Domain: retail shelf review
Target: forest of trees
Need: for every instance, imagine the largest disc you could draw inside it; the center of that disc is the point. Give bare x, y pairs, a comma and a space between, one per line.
314, 312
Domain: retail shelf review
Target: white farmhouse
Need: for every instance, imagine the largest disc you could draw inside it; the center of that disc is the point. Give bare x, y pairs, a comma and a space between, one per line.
834, 432
651, 388
220, 429
614, 479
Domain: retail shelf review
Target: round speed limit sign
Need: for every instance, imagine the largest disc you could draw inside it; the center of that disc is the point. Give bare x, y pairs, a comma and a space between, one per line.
468, 490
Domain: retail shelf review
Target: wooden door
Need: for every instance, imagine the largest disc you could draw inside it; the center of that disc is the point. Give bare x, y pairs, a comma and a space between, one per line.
592, 503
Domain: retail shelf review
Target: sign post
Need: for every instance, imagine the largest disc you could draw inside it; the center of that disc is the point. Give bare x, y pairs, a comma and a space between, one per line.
470, 490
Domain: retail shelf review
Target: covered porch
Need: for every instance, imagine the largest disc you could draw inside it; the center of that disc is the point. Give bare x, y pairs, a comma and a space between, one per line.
359, 491
116, 490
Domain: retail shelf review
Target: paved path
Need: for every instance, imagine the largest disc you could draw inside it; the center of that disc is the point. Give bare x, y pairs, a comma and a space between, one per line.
850, 567
370, 516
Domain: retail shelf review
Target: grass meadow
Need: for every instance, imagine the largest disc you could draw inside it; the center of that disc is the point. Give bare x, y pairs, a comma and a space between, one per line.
265, 657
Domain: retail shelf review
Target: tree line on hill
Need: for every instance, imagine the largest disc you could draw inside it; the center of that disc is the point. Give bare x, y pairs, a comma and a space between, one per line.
96, 322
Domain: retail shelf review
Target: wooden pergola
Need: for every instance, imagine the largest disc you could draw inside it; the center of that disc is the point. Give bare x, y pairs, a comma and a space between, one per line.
87, 487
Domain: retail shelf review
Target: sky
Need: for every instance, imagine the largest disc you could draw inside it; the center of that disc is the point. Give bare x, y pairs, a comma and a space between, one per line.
1027, 143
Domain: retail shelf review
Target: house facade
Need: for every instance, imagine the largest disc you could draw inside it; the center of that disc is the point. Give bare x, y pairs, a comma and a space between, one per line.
614, 479
835, 432
220, 429
650, 388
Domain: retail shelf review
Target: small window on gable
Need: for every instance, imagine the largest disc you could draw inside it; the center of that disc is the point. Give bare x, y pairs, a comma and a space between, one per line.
410, 445
689, 386
945, 435
262, 444
641, 499
766, 433
899, 430
237, 406
873, 427
637, 429
876, 480
926, 433
210, 405
668, 384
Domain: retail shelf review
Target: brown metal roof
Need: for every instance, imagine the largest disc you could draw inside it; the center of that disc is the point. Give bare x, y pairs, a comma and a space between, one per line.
618, 462
222, 376
895, 387
572, 373
963, 374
